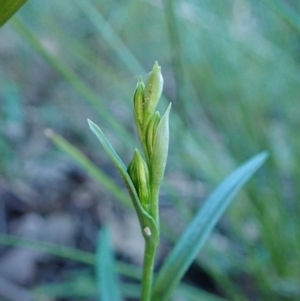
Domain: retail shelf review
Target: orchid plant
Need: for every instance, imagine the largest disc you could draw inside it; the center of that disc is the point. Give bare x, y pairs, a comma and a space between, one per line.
143, 177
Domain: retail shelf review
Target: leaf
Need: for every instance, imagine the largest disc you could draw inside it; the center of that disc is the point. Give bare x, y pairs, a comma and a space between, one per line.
193, 238
159, 156
144, 218
108, 285
89, 167
9, 8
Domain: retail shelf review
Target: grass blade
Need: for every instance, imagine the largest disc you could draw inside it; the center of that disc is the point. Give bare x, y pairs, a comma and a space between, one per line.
108, 285
66, 253
189, 244
9, 8
128, 270
285, 12
49, 248
110, 36
75, 81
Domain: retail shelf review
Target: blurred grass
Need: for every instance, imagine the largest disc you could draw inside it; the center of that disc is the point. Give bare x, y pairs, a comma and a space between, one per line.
231, 69
83, 284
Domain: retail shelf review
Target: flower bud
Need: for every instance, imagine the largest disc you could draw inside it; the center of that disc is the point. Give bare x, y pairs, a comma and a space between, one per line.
151, 130
139, 174
160, 151
138, 101
153, 90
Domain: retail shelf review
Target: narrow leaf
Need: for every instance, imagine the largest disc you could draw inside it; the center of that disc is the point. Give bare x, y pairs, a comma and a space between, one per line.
191, 241
108, 285
84, 257
8, 8
145, 219
85, 92
89, 167
107, 146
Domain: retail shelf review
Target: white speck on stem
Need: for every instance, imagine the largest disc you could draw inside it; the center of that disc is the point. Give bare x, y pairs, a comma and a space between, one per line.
147, 231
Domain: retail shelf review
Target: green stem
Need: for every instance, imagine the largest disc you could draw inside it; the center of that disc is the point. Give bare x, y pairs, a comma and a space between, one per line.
148, 266
154, 207
151, 243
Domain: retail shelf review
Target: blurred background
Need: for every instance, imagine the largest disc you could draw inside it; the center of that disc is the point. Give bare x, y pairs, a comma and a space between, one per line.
231, 71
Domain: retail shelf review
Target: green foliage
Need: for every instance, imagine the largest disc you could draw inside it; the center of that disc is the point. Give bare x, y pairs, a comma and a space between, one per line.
189, 244
9, 8
144, 189
285, 12
84, 285
145, 219
231, 70
88, 166
139, 174
105, 269
141, 178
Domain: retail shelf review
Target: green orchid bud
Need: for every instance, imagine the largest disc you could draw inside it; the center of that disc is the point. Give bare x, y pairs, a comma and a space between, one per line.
151, 130
159, 156
139, 101
139, 174
153, 90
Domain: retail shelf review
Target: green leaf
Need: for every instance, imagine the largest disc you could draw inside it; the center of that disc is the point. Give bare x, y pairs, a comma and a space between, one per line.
108, 285
88, 166
8, 8
193, 238
159, 156
144, 218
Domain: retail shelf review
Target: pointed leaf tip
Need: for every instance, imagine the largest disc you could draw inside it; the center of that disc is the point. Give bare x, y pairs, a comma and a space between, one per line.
156, 65
140, 79
90, 121
144, 218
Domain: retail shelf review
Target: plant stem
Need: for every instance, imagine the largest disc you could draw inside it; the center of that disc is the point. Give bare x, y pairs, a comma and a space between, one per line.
154, 206
148, 266
151, 243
